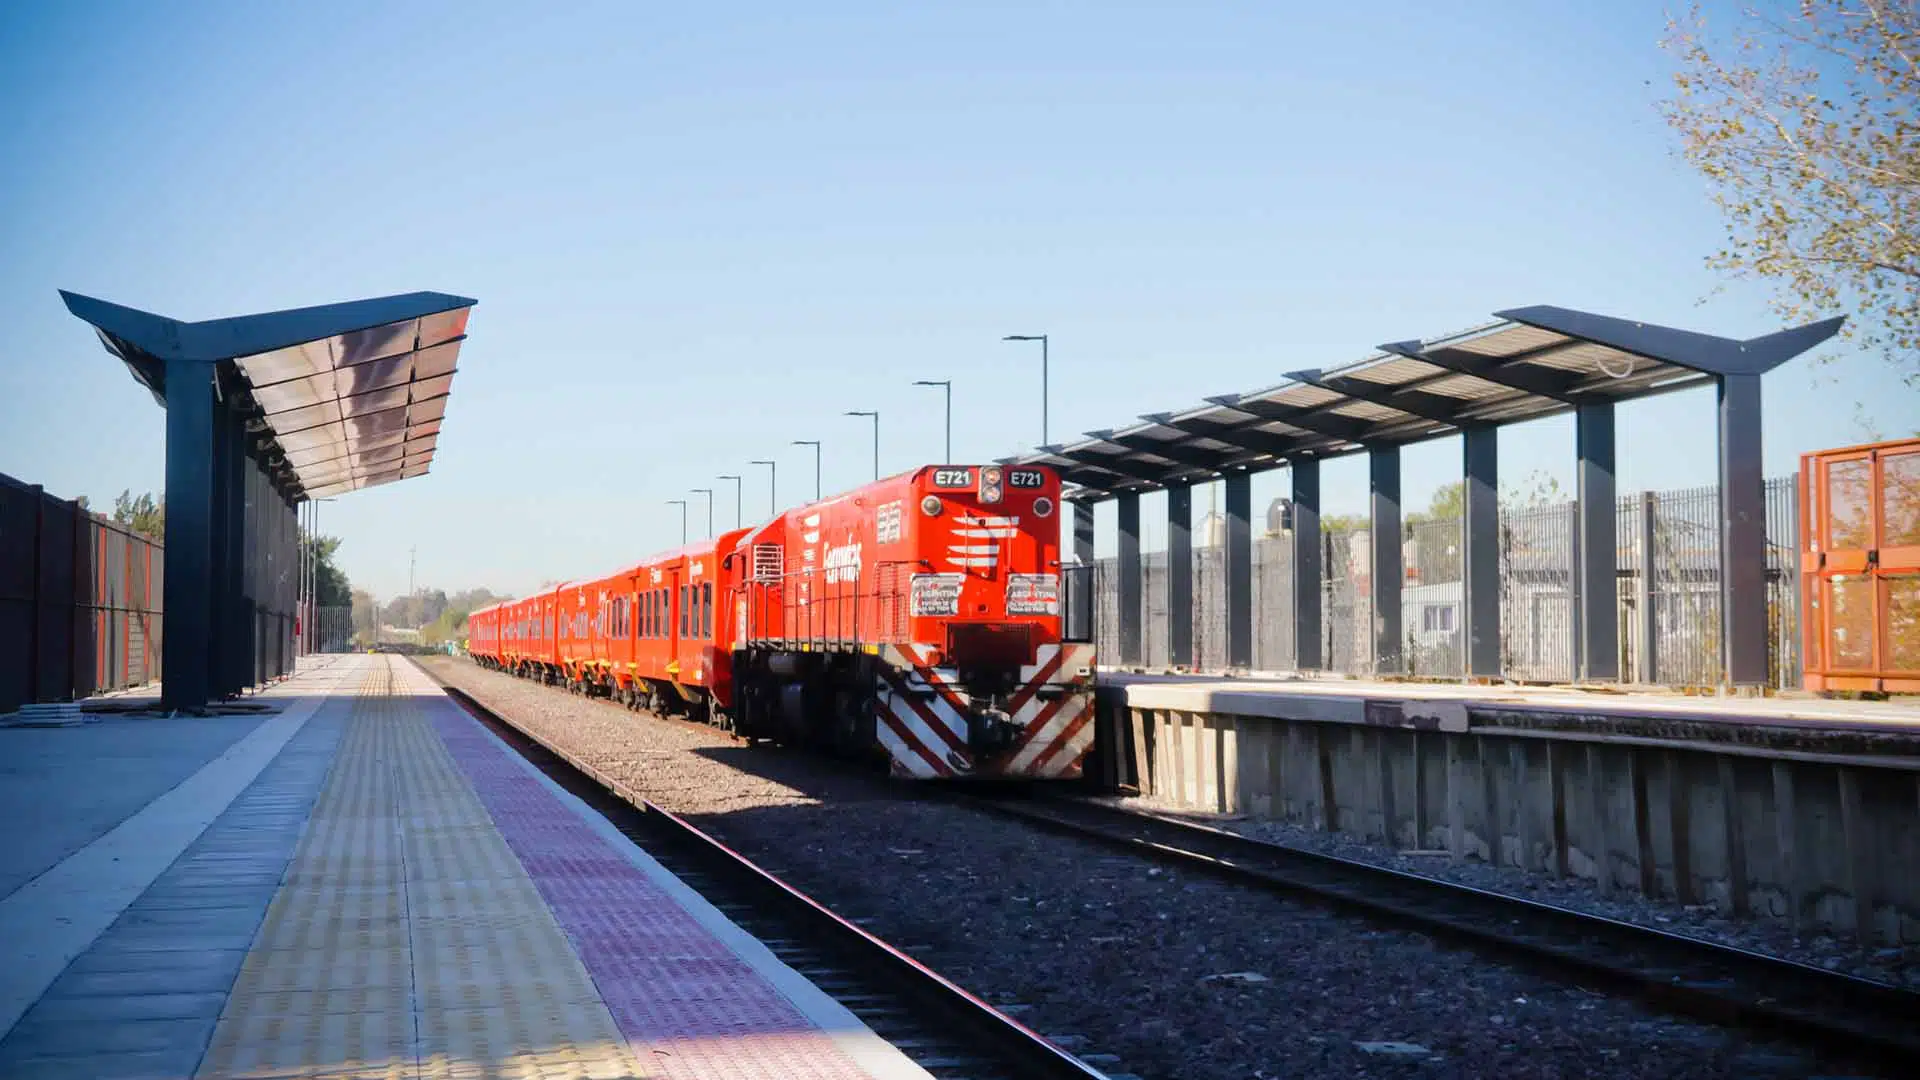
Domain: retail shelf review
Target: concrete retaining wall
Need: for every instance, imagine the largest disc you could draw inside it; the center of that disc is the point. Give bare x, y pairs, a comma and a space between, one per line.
1789, 835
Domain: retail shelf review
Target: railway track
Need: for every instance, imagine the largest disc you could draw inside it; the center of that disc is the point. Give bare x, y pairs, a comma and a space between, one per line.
940, 1026
1866, 1022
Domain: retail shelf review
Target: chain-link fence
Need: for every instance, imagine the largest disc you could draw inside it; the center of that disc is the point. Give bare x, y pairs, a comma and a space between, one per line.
1667, 565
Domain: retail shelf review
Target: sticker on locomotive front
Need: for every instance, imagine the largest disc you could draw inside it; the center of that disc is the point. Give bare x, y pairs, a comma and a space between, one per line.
935, 594
886, 522
1033, 594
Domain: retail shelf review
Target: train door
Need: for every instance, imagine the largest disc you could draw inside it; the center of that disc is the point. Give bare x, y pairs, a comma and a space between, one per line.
1861, 567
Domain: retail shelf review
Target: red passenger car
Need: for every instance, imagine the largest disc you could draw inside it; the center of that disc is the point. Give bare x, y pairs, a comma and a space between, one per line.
916, 619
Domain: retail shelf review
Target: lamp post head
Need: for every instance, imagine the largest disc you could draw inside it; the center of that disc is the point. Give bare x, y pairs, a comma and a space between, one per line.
861, 412
759, 461
726, 476
1024, 337
933, 382
807, 442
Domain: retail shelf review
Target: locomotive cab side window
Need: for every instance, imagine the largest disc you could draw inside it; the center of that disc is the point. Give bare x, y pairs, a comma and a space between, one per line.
706, 610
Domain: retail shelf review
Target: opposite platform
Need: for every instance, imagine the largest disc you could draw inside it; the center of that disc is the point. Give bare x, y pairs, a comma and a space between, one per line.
369, 884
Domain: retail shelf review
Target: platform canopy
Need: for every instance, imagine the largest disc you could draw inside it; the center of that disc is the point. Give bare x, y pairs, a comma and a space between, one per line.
265, 415
349, 395
1530, 362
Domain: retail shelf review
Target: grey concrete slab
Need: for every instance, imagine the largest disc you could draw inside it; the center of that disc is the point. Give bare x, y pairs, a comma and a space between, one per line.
143, 998
148, 1066
63, 788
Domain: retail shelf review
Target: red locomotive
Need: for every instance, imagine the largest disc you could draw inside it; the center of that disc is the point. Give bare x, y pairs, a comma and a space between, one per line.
918, 618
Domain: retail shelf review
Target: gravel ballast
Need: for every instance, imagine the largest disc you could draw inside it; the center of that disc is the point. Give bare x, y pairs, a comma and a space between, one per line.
1896, 966
1176, 975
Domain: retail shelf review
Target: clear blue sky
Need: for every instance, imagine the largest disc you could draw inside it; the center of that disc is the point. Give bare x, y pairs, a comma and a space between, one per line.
698, 232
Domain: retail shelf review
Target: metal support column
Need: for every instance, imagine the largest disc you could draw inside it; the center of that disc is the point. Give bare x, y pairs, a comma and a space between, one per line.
189, 549
1743, 533
1649, 651
1480, 540
1083, 533
238, 615
1180, 575
1383, 480
1597, 634
1128, 506
218, 656
1239, 571
1306, 564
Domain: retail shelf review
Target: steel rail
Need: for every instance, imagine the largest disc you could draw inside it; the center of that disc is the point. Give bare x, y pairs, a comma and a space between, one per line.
1852, 1018
943, 1008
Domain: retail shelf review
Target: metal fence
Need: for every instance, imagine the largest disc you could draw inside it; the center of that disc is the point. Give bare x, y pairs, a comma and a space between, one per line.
1667, 564
79, 600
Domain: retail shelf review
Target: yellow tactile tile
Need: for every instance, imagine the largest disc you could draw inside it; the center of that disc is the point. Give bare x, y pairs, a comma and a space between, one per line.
407, 941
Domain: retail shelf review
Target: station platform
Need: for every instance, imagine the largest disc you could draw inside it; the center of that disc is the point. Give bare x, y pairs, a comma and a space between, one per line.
358, 881
1331, 699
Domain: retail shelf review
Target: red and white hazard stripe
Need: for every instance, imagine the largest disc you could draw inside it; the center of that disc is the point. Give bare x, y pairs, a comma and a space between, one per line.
923, 725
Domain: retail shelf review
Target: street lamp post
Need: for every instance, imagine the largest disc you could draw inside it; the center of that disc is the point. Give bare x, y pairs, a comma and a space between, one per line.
1042, 339
815, 443
739, 519
708, 492
773, 486
947, 385
682, 504
876, 436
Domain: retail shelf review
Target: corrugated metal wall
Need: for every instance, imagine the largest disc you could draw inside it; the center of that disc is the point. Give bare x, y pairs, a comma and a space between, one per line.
79, 600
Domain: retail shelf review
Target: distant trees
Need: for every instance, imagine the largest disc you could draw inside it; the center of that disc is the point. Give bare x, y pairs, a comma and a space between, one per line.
144, 515
1803, 121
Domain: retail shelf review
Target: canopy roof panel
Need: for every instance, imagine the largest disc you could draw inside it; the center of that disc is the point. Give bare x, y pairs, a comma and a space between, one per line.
348, 395
1530, 362
360, 408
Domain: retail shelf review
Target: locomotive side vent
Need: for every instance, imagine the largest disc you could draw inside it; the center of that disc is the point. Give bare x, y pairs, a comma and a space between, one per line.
769, 562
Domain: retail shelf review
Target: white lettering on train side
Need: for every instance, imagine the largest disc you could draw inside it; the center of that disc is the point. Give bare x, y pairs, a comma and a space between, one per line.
842, 563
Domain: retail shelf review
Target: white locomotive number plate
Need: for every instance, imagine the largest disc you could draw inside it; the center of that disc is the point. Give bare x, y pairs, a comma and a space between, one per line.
1026, 478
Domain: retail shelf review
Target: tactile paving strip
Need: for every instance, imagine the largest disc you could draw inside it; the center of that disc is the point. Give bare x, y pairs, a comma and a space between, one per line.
408, 942
693, 1007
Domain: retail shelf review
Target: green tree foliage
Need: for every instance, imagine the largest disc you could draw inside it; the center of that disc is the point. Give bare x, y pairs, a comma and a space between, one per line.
144, 515
1802, 117
451, 622
330, 585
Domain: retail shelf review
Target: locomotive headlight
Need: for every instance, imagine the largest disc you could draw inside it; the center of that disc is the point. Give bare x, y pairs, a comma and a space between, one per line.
930, 506
990, 484
1042, 506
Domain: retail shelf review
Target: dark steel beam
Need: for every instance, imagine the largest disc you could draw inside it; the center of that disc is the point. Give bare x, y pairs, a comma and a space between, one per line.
1743, 533
1180, 575
1415, 403
1306, 417
1307, 578
1129, 575
1245, 435
1239, 571
1598, 631
1119, 464
1389, 571
1191, 456
1480, 541
1558, 386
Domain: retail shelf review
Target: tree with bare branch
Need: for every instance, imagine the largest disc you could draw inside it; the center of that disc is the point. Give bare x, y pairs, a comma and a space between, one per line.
1802, 117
